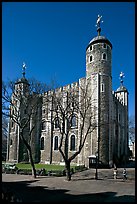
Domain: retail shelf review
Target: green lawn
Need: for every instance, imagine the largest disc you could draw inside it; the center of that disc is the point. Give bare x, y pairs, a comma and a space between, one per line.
47, 167
41, 166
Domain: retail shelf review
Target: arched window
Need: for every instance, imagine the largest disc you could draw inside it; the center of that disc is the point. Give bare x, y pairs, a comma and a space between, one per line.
42, 143
91, 47
72, 143
56, 123
73, 121
56, 143
104, 56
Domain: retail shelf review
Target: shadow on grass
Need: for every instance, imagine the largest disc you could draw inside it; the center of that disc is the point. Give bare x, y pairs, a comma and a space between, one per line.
28, 193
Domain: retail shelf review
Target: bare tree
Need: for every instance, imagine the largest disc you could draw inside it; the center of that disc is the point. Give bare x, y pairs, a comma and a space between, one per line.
4, 127
23, 106
4, 136
70, 108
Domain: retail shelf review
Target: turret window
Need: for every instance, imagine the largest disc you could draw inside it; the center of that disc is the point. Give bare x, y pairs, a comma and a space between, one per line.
104, 46
90, 58
104, 56
102, 87
91, 48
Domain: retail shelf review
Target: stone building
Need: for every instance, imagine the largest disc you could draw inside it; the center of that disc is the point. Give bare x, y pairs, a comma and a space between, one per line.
132, 148
108, 141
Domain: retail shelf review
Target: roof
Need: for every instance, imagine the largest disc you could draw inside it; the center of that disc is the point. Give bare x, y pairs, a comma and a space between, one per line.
99, 39
22, 80
121, 88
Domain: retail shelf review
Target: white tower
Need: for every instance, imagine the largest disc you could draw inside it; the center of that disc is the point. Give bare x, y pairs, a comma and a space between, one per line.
98, 71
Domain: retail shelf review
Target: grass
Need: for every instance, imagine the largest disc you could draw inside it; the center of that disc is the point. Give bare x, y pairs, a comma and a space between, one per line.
26, 167
41, 166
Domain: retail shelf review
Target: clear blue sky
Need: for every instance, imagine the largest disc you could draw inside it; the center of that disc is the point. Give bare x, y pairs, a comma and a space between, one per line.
51, 38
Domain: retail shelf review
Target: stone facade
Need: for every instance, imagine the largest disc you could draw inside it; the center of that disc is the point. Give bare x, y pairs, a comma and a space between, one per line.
109, 139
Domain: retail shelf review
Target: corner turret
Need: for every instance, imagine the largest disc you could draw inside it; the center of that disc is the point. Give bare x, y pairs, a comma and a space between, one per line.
22, 85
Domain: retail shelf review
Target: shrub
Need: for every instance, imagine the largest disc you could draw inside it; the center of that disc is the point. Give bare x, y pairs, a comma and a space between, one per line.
80, 168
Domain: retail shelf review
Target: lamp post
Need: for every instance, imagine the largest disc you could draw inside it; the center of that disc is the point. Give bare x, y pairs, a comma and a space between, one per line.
96, 174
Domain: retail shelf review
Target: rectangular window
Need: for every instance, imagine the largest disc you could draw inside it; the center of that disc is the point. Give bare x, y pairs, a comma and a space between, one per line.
90, 58
102, 87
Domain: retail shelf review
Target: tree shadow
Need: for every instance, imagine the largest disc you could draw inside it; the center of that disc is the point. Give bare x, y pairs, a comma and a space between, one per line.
85, 179
28, 193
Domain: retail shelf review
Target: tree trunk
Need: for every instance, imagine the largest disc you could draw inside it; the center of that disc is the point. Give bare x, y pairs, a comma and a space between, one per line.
32, 163
30, 156
68, 173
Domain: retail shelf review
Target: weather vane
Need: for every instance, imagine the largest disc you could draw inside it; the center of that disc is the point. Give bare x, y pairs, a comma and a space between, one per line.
23, 69
98, 24
121, 77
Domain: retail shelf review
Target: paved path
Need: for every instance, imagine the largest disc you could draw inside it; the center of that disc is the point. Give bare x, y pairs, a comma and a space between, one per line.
82, 188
